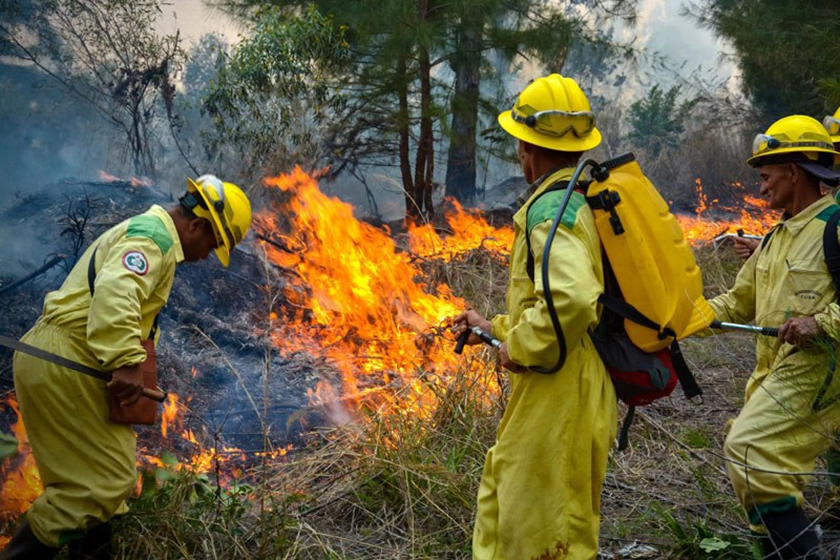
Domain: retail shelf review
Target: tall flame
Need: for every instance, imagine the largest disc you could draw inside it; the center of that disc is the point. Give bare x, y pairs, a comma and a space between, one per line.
357, 299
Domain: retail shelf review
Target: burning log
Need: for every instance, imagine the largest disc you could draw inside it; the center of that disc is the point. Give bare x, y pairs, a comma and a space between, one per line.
34, 274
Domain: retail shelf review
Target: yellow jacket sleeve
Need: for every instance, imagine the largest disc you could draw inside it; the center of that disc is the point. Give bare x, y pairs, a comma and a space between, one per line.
738, 304
575, 289
126, 278
499, 326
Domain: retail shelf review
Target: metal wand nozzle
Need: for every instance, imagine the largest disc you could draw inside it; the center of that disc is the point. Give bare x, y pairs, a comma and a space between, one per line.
486, 337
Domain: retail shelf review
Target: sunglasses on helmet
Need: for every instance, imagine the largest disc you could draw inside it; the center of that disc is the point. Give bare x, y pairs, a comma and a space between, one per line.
832, 125
763, 143
558, 123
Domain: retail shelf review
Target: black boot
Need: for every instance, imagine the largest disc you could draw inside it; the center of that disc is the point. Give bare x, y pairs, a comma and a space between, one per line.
26, 546
96, 545
790, 535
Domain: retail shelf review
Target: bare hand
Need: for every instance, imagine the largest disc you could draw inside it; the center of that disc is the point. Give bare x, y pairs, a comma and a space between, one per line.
507, 363
800, 331
745, 247
470, 318
127, 384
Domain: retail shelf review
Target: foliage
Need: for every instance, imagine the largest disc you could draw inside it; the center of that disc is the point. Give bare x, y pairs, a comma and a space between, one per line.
400, 93
657, 121
108, 53
272, 91
786, 51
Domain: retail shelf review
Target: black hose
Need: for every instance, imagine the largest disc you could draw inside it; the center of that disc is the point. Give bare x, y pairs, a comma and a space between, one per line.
549, 300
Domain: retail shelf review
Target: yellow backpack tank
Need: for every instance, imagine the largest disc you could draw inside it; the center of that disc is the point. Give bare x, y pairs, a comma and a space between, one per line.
652, 262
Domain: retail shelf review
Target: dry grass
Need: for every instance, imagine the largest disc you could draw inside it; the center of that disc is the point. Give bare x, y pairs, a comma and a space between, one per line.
402, 485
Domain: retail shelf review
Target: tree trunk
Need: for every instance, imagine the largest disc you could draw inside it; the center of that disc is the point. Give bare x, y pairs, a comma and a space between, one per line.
424, 166
461, 160
403, 123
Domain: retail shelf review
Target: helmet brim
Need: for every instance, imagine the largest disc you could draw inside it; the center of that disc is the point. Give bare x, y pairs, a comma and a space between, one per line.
566, 143
824, 173
762, 159
223, 255
215, 221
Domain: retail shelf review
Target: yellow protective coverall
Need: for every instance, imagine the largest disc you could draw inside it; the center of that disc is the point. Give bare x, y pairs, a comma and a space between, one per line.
791, 408
88, 463
540, 493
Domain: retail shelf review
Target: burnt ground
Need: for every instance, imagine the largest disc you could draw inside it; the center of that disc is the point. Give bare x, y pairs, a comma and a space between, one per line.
233, 387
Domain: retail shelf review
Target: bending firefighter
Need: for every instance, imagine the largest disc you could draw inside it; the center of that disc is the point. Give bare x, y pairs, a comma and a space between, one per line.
100, 317
539, 495
792, 401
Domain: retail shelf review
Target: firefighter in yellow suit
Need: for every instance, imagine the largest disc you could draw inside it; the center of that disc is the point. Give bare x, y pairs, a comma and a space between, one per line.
792, 401
540, 493
86, 462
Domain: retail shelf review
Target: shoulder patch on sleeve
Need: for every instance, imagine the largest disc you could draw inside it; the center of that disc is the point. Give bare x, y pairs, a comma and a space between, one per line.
546, 206
152, 227
136, 262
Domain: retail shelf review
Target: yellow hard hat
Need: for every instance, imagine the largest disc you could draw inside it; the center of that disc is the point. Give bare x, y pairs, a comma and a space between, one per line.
797, 137
832, 125
226, 207
554, 113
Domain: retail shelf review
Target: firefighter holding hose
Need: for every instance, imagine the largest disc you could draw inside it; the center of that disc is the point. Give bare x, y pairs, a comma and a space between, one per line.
103, 317
539, 495
792, 400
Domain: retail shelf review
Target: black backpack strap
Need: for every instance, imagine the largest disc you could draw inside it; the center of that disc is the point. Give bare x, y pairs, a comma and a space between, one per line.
689, 385
767, 236
92, 277
831, 247
92, 270
624, 433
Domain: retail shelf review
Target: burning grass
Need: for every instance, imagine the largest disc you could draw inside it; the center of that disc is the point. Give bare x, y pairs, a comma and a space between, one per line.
398, 425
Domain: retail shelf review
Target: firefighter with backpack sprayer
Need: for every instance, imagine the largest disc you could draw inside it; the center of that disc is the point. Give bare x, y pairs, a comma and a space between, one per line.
539, 494
792, 400
100, 319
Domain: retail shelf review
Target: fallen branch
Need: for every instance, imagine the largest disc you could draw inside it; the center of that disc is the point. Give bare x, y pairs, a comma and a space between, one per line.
45, 267
275, 244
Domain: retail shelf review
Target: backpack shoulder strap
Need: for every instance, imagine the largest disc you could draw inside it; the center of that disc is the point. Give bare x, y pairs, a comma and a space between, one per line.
767, 237
831, 246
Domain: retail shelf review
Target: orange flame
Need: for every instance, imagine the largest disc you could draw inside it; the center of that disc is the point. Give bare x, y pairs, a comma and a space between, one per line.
469, 231
358, 300
105, 176
170, 415
22, 482
754, 217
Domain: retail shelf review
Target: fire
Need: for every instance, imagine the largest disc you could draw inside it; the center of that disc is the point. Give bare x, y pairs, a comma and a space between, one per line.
133, 181
469, 231
22, 482
754, 217
359, 301
105, 176
170, 414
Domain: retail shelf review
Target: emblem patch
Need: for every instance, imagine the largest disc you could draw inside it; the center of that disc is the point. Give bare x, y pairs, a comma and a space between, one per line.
135, 261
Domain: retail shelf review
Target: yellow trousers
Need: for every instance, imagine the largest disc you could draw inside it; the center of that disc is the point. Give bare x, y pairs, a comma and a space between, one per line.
87, 463
789, 419
540, 494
